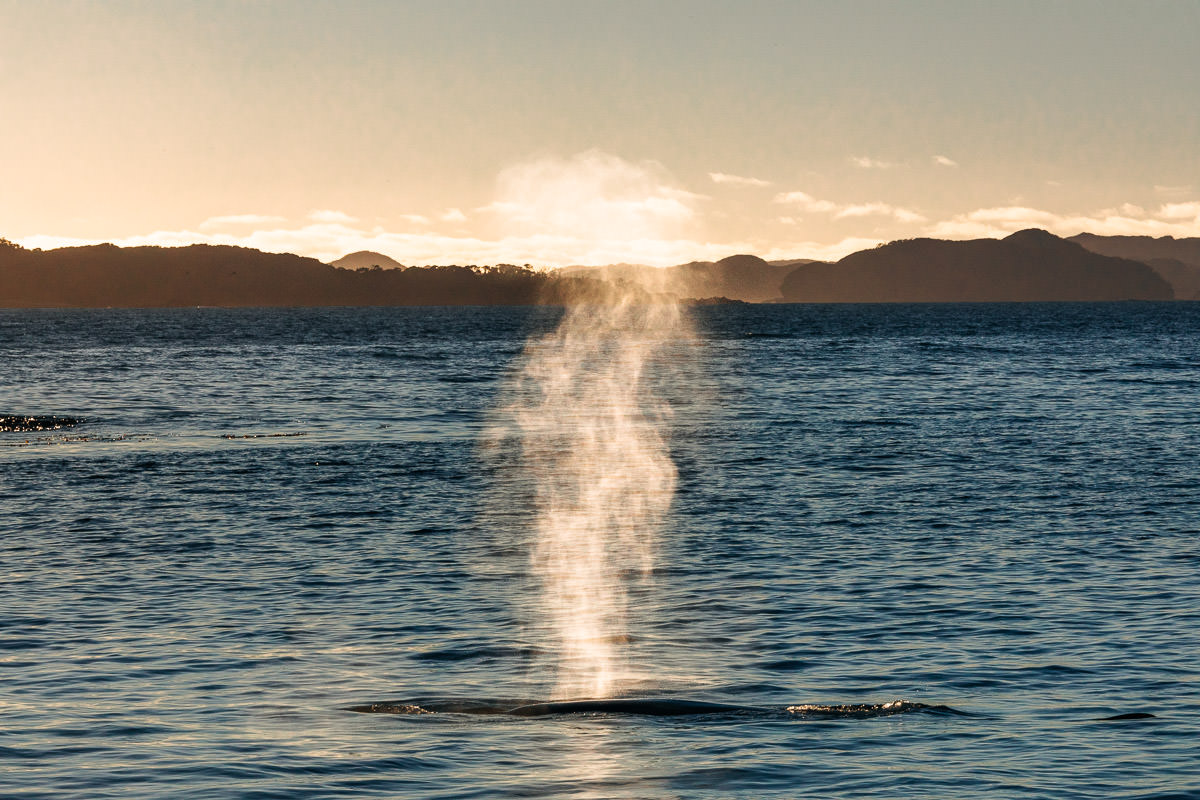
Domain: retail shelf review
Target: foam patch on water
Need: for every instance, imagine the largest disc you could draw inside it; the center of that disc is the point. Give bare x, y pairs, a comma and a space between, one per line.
23, 423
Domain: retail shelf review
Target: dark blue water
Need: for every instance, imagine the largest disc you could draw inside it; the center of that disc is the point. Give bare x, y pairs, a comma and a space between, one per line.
273, 515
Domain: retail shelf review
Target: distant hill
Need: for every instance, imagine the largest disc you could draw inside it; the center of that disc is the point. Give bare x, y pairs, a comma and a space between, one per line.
1140, 248
1030, 265
1177, 260
104, 275
365, 259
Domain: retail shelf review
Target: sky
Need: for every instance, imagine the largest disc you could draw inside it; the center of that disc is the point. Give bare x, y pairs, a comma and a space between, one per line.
559, 132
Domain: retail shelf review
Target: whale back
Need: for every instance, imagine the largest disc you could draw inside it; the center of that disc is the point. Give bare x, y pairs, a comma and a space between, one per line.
656, 707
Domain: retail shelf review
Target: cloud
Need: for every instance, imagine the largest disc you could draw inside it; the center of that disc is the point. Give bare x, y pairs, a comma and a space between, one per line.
905, 215
1171, 219
332, 217
1181, 211
592, 209
822, 251
597, 208
807, 202
330, 241
1174, 191
878, 209
1125, 209
736, 180
864, 162
944, 161
240, 219
592, 196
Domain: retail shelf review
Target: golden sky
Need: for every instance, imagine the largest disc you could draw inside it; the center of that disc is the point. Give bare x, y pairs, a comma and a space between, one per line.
566, 132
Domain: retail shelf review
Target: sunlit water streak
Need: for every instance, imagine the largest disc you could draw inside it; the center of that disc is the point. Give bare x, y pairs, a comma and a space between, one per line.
592, 437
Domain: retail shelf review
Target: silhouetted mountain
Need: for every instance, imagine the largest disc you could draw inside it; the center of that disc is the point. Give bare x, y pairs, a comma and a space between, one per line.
1177, 260
1029, 265
365, 259
210, 275
633, 273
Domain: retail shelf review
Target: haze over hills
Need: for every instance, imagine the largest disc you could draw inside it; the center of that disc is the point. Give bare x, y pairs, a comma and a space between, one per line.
740, 277
1177, 260
1142, 247
1030, 265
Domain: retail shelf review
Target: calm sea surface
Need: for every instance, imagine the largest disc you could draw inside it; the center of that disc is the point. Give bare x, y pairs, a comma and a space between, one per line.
270, 516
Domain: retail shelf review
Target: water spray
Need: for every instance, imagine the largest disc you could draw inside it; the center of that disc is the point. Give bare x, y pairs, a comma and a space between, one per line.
593, 444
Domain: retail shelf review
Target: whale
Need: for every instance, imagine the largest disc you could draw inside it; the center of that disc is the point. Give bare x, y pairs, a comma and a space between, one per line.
1123, 717
674, 707
643, 706
646, 706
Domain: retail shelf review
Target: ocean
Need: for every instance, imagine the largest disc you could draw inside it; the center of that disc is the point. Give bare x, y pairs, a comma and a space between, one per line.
269, 517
